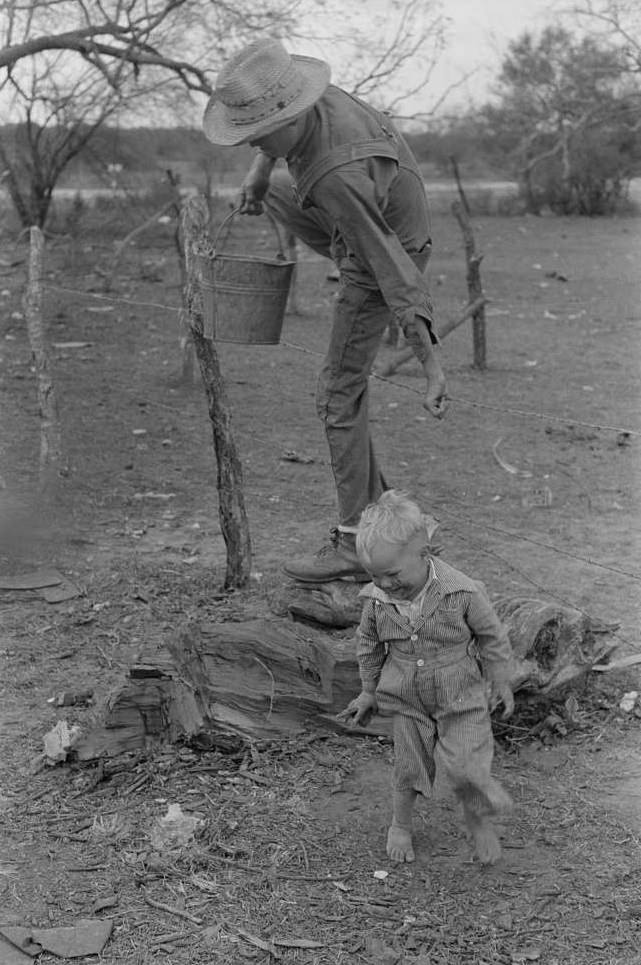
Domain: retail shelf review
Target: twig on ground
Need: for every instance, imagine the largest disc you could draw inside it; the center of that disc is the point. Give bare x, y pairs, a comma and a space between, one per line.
171, 910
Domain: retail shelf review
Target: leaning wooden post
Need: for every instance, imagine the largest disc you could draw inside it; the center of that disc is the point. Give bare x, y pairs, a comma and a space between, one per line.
229, 480
473, 259
50, 463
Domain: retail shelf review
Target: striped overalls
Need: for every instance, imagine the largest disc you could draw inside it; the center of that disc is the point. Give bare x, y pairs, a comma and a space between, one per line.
428, 677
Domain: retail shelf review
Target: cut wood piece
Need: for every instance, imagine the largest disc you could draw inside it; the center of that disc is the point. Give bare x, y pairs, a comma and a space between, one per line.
219, 684
334, 604
552, 643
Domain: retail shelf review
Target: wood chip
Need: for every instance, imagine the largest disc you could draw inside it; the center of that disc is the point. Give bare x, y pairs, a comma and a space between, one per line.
259, 943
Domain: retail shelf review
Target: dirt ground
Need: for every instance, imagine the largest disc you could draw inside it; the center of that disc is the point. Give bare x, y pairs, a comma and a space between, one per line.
283, 864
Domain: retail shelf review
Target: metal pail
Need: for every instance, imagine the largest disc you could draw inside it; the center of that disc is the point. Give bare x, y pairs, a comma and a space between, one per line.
244, 297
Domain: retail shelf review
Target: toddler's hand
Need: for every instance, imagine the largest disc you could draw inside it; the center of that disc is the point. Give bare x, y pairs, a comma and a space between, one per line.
501, 693
360, 710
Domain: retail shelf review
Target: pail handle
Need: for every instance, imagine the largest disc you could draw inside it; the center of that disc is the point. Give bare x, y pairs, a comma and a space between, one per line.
280, 255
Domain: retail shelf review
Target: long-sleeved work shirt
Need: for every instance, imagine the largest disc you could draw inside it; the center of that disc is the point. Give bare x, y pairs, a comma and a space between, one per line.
355, 168
454, 614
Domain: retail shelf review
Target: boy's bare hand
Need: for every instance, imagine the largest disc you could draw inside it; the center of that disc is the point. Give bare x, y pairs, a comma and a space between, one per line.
501, 693
360, 710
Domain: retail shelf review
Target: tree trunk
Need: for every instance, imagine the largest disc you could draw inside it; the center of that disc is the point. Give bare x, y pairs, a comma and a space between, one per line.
50, 462
231, 502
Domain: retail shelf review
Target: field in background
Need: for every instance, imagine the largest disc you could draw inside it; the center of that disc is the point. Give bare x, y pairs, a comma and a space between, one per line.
290, 845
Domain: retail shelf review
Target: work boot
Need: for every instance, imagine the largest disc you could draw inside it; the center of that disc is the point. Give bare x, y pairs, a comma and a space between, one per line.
336, 560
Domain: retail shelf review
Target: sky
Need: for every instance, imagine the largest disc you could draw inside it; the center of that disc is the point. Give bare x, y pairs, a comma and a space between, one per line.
477, 38
479, 34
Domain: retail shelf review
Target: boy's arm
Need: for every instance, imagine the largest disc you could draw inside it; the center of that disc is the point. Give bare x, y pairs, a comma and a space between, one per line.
494, 648
371, 656
370, 652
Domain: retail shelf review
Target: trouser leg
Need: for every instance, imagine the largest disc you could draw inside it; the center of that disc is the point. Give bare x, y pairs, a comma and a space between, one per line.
465, 749
360, 318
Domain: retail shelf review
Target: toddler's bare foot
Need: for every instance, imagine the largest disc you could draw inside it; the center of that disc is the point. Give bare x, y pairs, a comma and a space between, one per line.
486, 843
399, 844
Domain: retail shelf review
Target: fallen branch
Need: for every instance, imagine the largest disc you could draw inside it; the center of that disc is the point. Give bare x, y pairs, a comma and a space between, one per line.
173, 911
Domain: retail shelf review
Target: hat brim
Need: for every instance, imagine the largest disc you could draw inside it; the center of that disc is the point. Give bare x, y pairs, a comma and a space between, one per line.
219, 128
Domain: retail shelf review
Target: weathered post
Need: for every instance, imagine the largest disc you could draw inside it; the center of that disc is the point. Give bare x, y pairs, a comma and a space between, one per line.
50, 435
229, 481
473, 259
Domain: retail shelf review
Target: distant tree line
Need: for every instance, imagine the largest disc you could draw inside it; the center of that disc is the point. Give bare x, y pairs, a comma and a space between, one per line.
564, 122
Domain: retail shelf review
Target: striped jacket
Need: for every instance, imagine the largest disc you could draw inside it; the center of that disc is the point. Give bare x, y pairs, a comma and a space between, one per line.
456, 616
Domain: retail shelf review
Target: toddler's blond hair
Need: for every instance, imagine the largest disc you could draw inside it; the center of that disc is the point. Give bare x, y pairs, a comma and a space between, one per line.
394, 518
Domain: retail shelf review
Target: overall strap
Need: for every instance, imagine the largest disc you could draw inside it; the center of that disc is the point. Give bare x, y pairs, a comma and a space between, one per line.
343, 154
382, 143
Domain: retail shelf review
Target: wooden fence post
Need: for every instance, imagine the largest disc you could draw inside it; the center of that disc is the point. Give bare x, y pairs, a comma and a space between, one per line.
229, 481
473, 259
50, 463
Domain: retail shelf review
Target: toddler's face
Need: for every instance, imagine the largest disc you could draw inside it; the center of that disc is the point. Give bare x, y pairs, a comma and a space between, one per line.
400, 571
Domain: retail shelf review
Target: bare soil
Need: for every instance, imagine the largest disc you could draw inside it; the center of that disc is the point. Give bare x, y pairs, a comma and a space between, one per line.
283, 864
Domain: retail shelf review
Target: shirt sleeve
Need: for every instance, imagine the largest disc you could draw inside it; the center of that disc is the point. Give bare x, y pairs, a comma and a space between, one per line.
353, 201
491, 637
369, 649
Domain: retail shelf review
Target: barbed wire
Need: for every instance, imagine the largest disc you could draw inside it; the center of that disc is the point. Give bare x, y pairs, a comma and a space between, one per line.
531, 413
113, 298
612, 629
526, 413
547, 546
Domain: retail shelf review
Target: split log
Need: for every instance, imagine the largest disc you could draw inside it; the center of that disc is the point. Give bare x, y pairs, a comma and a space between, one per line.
220, 682
217, 685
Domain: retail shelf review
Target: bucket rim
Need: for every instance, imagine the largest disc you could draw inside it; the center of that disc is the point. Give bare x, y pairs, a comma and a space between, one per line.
254, 259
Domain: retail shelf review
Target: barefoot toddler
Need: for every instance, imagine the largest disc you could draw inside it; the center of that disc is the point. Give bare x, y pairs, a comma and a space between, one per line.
422, 625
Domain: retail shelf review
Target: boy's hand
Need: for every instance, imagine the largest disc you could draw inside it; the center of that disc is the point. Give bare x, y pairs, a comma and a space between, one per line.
501, 693
360, 710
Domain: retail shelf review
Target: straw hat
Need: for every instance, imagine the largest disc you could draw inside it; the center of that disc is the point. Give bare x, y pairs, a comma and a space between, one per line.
262, 88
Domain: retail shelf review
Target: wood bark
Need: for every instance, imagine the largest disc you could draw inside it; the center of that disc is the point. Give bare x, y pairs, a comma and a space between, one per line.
50, 461
229, 477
